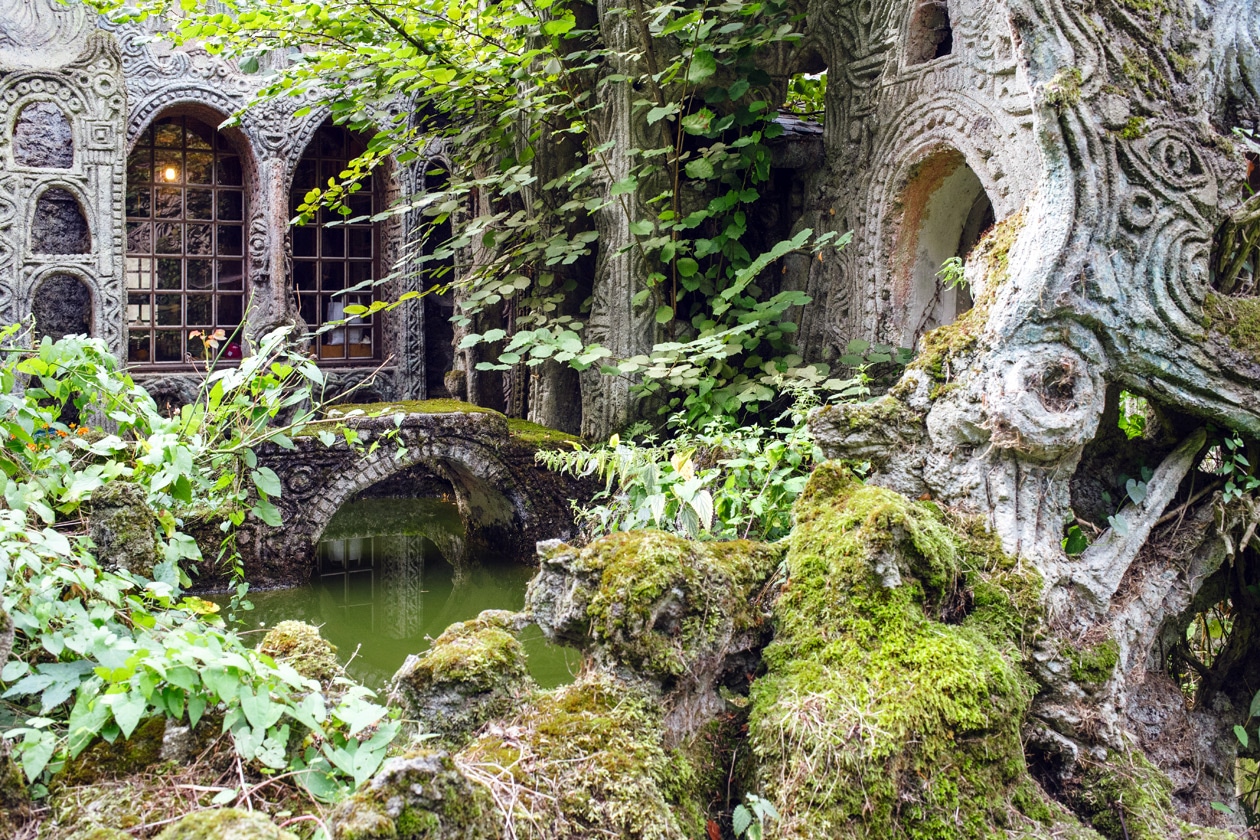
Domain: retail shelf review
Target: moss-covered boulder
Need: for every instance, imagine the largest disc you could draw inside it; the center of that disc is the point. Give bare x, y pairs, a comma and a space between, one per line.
586, 760
300, 645
14, 802
653, 606
225, 824
474, 671
124, 756
894, 695
421, 796
123, 527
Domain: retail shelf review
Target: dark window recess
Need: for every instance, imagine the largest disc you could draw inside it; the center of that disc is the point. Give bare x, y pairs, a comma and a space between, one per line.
58, 226
185, 245
931, 35
439, 333
336, 256
42, 137
62, 306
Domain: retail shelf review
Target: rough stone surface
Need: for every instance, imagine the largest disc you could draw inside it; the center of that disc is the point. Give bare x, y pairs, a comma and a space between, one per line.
14, 801
421, 795
123, 527
301, 645
42, 137
225, 824
59, 226
62, 307
473, 672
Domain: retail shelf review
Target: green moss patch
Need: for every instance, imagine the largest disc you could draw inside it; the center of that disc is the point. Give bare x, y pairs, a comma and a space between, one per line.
876, 718
942, 345
225, 824
537, 435
586, 760
1238, 319
1093, 665
300, 645
411, 407
663, 602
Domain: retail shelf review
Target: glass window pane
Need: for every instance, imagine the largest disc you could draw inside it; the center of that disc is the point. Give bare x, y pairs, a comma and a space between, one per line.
231, 274
138, 346
200, 135
168, 274
309, 306
169, 133
304, 276
360, 242
167, 347
198, 240
140, 167
200, 274
139, 200
198, 311
333, 242
200, 168
139, 238
229, 171
139, 273
305, 242
360, 272
332, 276
169, 203
199, 204
304, 177
360, 204
168, 167
169, 311
168, 237
138, 309
231, 239
231, 206
230, 310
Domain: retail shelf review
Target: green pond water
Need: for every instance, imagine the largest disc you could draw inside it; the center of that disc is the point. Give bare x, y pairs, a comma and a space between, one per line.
384, 581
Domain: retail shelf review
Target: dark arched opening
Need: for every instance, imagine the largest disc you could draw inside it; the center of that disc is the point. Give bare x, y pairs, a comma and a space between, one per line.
931, 35
62, 306
58, 225
42, 137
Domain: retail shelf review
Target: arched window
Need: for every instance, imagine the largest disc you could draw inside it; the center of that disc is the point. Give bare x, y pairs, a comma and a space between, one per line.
58, 225
42, 137
945, 212
185, 244
336, 257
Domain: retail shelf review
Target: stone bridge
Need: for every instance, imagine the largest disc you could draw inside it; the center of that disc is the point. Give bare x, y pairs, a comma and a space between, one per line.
480, 458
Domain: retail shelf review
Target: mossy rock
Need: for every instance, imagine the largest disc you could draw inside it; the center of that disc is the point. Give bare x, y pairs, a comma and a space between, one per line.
446, 406
300, 645
225, 824
104, 760
589, 760
123, 527
1128, 798
876, 718
14, 798
474, 671
100, 833
655, 602
420, 796
537, 435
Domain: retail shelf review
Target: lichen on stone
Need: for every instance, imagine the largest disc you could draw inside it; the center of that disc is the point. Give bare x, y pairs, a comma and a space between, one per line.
123, 528
419, 796
300, 645
876, 718
474, 671
225, 824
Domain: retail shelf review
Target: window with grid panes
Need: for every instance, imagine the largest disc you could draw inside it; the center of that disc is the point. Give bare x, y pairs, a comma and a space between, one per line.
185, 264
335, 256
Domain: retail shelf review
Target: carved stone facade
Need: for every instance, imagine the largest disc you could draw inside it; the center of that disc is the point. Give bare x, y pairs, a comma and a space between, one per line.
75, 97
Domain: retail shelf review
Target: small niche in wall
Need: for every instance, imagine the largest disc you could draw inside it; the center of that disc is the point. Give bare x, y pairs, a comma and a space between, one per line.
58, 226
42, 137
930, 35
62, 306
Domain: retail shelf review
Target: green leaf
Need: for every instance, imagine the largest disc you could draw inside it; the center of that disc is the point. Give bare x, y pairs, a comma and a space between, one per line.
641, 228
267, 512
700, 169
686, 266
740, 820
1075, 542
664, 314
703, 65
266, 480
1243, 737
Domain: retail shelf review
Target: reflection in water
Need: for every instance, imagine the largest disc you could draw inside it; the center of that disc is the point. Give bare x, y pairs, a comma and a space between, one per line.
390, 573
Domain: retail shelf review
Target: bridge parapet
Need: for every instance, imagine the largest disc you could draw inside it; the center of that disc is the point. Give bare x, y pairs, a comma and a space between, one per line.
506, 501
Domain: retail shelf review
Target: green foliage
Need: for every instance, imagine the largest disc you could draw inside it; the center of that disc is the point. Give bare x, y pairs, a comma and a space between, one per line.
1133, 413
98, 648
807, 93
1240, 478
951, 273
721, 481
750, 820
513, 85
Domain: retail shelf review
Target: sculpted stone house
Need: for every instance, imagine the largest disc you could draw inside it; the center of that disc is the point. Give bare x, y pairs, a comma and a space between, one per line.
128, 214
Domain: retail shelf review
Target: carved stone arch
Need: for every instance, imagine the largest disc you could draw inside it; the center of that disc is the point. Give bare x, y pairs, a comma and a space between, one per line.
60, 223
952, 122
65, 301
41, 134
209, 106
301, 135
